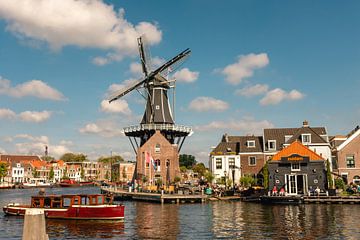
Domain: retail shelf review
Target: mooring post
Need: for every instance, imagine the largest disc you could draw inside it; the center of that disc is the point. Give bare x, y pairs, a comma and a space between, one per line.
34, 225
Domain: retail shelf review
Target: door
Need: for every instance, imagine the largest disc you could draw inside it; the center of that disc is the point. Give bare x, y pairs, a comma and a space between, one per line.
291, 184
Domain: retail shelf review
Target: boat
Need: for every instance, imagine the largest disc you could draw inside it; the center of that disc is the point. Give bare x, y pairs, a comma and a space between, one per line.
71, 206
73, 183
36, 183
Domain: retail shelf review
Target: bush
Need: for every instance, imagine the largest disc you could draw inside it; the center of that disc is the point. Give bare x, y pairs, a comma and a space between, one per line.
247, 181
339, 183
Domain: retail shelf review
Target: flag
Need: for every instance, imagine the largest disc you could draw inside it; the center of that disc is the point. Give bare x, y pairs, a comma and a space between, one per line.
147, 157
153, 162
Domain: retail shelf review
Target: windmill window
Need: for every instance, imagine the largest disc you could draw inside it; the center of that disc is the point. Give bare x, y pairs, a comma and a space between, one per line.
157, 107
218, 162
157, 148
231, 162
350, 161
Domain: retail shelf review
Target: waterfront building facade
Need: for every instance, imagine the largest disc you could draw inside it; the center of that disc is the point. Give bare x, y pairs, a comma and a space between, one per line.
17, 172
346, 151
123, 171
298, 170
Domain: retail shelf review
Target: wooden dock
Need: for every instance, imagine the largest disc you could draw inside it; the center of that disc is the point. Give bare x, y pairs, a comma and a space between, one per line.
332, 199
120, 194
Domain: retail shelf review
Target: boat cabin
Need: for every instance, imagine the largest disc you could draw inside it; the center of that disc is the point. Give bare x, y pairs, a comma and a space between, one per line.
65, 201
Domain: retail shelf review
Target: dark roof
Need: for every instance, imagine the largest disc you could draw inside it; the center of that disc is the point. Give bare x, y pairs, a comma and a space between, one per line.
18, 158
279, 134
238, 144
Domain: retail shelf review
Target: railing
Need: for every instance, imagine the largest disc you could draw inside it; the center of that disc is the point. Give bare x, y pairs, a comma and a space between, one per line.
169, 127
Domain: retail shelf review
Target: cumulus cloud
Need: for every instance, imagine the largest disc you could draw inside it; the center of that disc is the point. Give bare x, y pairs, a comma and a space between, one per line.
7, 113
27, 116
82, 23
278, 95
250, 91
203, 104
246, 126
102, 128
118, 106
32, 116
185, 75
244, 67
28, 144
114, 88
33, 88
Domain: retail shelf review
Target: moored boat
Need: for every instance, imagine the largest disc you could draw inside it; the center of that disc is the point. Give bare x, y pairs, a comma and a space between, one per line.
72, 206
72, 183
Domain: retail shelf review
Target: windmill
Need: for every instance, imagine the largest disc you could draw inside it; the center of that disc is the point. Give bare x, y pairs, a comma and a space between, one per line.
158, 116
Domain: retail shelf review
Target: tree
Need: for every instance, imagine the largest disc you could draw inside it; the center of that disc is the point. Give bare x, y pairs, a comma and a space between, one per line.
265, 172
329, 176
35, 172
107, 175
209, 176
112, 159
183, 169
247, 181
47, 158
200, 169
339, 183
72, 157
3, 170
51, 173
65, 176
177, 179
187, 161
82, 173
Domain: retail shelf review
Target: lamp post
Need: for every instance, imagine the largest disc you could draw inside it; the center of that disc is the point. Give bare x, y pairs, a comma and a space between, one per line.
233, 178
225, 180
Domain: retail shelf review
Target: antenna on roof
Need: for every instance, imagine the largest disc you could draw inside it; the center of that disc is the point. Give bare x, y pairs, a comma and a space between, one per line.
46, 151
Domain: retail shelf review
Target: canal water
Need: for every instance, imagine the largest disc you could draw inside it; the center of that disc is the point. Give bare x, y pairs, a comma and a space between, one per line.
214, 220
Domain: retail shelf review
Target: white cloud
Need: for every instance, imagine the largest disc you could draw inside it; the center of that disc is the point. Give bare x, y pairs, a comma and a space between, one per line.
250, 91
203, 104
32, 116
185, 75
118, 106
246, 126
102, 128
113, 88
83, 23
28, 144
34, 88
136, 69
244, 67
278, 95
7, 113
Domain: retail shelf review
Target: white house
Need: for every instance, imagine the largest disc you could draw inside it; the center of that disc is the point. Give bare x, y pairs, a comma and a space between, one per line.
17, 173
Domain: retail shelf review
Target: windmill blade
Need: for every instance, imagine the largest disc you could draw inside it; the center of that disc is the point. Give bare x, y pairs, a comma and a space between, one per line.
126, 90
144, 55
177, 60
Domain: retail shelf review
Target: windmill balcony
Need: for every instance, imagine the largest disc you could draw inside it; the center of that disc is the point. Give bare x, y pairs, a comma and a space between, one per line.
166, 127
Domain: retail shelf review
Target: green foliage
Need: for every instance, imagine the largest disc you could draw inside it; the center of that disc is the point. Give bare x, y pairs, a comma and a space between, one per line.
265, 172
65, 176
144, 179
328, 175
82, 173
339, 183
209, 176
183, 169
107, 175
51, 173
3, 170
35, 173
177, 179
112, 159
114, 176
247, 181
47, 158
124, 173
72, 157
187, 161
200, 169
158, 182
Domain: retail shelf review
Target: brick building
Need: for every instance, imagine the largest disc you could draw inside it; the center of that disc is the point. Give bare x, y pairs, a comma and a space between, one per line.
164, 162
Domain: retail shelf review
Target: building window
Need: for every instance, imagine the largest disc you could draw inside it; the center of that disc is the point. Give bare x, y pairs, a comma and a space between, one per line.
356, 179
272, 144
157, 148
295, 167
157, 164
251, 143
252, 161
287, 137
218, 162
350, 161
306, 138
231, 162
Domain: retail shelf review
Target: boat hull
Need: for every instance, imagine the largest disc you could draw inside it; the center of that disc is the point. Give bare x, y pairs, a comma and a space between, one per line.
96, 212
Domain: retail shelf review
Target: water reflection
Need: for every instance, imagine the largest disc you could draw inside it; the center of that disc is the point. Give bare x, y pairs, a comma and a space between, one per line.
84, 229
156, 221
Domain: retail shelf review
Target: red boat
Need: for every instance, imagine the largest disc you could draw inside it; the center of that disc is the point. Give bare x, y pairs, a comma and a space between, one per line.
72, 183
75, 206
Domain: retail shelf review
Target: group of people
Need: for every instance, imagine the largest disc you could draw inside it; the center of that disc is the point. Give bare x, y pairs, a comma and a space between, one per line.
275, 192
353, 188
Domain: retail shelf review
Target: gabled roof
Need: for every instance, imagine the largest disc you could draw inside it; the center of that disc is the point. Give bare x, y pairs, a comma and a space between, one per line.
18, 158
279, 134
354, 134
299, 149
238, 144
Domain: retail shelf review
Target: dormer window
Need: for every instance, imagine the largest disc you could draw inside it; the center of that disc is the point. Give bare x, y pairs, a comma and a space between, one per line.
287, 137
228, 149
272, 144
251, 143
306, 138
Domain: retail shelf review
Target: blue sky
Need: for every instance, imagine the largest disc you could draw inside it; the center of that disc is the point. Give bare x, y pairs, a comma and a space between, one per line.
254, 65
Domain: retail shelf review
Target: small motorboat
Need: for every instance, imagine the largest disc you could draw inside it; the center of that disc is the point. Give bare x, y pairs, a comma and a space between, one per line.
72, 206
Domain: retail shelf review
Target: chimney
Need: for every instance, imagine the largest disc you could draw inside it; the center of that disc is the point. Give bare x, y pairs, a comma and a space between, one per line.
226, 137
305, 123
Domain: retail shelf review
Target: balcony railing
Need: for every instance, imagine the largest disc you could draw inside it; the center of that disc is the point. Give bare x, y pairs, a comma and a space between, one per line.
168, 127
